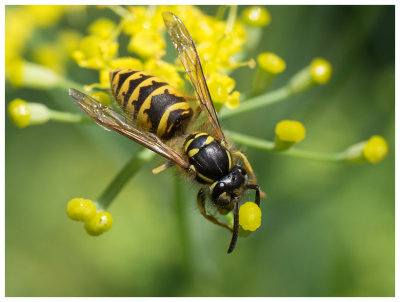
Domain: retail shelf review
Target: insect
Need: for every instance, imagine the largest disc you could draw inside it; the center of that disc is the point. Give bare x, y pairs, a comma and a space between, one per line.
155, 114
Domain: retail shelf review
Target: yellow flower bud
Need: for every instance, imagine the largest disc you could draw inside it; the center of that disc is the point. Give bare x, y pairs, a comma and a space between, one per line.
290, 131
126, 62
256, 16
69, 40
81, 209
99, 224
102, 27
14, 72
220, 86
50, 56
147, 43
19, 112
375, 149
321, 71
46, 15
271, 62
101, 97
93, 52
233, 100
166, 71
24, 114
250, 216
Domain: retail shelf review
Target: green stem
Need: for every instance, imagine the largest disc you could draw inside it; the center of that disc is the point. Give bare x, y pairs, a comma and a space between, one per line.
119, 10
258, 102
231, 18
67, 84
270, 146
67, 117
182, 226
130, 169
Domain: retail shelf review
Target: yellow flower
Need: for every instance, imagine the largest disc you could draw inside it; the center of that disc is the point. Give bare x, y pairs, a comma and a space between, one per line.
141, 18
14, 72
220, 86
166, 71
27, 74
46, 15
50, 56
95, 52
290, 131
250, 216
102, 28
19, 112
233, 100
147, 43
81, 209
256, 16
321, 71
271, 62
126, 62
375, 149
18, 29
69, 40
101, 97
100, 223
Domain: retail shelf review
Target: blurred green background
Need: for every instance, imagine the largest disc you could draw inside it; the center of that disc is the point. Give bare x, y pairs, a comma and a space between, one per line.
327, 228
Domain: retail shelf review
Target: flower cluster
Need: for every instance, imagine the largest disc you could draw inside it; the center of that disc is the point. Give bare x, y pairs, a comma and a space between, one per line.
96, 222
218, 43
21, 24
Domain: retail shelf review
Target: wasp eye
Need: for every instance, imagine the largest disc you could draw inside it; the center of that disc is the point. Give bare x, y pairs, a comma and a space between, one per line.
242, 171
218, 189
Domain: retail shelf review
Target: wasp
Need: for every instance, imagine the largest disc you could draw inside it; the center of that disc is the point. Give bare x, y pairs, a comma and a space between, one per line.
154, 114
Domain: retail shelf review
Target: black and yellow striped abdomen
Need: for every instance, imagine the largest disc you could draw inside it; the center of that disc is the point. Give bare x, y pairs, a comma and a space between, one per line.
152, 103
210, 159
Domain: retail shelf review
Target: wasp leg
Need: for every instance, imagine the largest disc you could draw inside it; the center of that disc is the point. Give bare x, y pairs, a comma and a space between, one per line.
235, 225
249, 169
257, 188
201, 198
162, 167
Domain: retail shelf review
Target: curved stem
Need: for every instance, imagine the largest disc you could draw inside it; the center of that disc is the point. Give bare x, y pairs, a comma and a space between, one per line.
129, 170
258, 102
68, 117
270, 146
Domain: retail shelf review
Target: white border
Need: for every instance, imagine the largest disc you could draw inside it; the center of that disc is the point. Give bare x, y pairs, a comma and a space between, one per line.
2, 186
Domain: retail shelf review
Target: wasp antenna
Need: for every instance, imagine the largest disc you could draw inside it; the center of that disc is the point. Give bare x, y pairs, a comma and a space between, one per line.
235, 224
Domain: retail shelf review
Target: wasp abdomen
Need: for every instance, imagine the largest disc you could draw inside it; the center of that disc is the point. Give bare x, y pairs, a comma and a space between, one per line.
210, 159
152, 103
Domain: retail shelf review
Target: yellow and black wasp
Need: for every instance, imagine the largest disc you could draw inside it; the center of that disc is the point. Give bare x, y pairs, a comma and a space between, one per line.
155, 114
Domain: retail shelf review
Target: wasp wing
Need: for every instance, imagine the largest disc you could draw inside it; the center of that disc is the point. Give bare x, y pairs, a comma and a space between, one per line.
114, 121
187, 52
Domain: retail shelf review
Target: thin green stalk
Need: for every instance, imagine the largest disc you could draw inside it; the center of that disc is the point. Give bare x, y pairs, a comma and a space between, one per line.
182, 225
231, 18
67, 117
258, 102
67, 84
129, 170
270, 146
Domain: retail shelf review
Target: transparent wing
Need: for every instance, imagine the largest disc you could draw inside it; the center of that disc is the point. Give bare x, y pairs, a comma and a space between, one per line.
114, 121
187, 52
